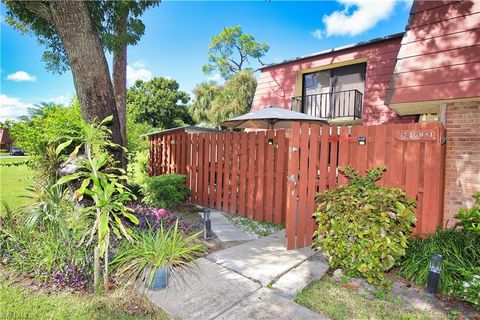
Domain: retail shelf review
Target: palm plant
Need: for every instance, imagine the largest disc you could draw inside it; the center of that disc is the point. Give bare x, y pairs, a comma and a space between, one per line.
154, 250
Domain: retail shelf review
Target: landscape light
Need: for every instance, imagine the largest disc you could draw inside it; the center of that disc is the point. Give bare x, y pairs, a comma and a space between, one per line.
207, 230
434, 274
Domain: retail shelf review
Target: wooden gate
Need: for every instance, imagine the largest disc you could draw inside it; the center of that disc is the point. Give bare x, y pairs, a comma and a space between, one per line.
274, 175
413, 154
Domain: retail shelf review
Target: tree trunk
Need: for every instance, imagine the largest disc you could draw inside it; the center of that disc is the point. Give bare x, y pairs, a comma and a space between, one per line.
120, 77
87, 62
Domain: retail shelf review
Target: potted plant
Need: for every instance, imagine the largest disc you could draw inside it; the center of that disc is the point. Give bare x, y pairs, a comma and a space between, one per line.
154, 253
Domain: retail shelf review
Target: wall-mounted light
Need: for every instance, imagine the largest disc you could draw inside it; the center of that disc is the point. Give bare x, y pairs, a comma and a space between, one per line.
434, 274
207, 230
362, 140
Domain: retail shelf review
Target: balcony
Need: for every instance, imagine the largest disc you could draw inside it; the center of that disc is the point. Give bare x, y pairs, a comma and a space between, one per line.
334, 105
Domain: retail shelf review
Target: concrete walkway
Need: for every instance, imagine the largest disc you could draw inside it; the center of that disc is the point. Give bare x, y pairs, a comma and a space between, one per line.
225, 231
232, 283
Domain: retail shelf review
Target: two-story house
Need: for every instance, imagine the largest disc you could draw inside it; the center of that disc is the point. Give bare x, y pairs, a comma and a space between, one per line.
431, 72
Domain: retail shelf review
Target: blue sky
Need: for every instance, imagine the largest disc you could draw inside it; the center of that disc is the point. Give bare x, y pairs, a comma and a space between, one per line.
178, 33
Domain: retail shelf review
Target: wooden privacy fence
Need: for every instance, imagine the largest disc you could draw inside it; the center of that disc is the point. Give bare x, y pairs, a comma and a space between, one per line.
236, 172
274, 175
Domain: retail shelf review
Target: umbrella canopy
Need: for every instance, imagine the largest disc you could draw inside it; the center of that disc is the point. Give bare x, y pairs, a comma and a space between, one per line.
270, 118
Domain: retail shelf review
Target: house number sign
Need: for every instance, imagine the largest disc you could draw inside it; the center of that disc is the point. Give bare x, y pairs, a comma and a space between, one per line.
416, 135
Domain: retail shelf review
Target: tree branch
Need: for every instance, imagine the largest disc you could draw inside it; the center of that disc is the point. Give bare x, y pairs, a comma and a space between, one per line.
39, 9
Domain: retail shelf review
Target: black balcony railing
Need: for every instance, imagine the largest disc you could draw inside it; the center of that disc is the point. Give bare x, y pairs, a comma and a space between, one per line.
330, 105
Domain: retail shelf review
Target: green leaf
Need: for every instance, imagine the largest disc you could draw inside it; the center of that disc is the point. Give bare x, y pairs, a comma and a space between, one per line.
69, 178
62, 146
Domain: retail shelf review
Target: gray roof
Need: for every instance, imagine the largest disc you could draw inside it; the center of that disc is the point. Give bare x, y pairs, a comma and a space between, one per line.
189, 129
362, 43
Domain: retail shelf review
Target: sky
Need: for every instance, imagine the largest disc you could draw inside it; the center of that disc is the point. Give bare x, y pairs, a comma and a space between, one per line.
178, 33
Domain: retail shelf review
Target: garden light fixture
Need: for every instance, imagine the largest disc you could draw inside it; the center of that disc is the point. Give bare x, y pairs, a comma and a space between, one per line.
207, 230
434, 274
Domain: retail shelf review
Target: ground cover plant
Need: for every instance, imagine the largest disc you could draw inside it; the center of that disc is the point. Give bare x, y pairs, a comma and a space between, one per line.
460, 275
17, 301
363, 228
259, 228
342, 303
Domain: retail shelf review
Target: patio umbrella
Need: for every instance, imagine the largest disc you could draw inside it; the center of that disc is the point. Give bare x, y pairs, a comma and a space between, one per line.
270, 118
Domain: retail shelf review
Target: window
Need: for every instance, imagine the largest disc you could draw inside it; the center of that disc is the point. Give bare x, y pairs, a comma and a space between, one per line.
333, 92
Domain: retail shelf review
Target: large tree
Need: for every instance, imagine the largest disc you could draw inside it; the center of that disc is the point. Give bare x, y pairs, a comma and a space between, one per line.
232, 51
75, 34
158, 102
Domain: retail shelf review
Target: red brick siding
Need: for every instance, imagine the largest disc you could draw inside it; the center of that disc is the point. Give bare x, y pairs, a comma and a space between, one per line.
462, 167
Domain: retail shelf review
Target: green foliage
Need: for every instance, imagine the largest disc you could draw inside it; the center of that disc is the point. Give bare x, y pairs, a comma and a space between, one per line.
53, 124
159, 103
205, 93
104, 16
165, 191
468, 289
231, 50
41, 252
362, 227
460, 251
153, 250
215, 104
470, 218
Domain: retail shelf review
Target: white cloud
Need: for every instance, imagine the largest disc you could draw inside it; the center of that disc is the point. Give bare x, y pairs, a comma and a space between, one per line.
137, 71
357, 17
12, 108
21, 76
64, 99
216, 77
318, 34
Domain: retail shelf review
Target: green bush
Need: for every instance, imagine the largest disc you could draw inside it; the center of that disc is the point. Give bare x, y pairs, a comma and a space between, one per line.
165, 191
470, 218
469, 288
460, 251
362, 227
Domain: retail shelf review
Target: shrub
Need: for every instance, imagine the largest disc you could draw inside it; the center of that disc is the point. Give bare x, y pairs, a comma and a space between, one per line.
165, 191
362, 227
470, 218
152, 250
460, 251
469, 288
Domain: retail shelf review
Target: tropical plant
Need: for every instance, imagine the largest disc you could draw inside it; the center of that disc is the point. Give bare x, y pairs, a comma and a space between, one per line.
165, 191
362, 227
470, 218
101, 182
235, 98
151, 250
231, 50
460, 252
205, 93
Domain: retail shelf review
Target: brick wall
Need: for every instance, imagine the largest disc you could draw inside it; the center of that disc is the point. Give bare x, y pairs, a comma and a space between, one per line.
462, 167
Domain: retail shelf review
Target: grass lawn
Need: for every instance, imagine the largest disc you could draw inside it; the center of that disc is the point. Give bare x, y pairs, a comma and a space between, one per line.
20, 303
338, 303
13, 183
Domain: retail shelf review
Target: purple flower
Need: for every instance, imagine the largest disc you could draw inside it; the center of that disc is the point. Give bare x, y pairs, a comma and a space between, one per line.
161, 213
